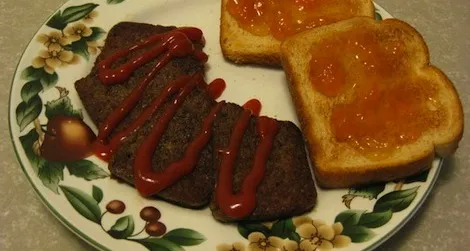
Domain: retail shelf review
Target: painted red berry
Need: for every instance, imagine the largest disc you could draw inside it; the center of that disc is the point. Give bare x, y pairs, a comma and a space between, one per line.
155, 228
150, 214
116, 207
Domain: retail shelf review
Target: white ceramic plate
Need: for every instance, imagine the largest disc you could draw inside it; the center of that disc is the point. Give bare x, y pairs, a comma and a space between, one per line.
78, 193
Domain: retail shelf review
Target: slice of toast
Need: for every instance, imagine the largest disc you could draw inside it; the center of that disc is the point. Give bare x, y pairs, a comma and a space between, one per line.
242, 47
338, 162
287, 189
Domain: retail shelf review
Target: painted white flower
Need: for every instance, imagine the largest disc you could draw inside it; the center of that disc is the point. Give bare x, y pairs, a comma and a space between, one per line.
76, 31
93, 47
316, 235
53, 59
259, 242
290, 245
54, 40
237, 246
90, 17
340, 241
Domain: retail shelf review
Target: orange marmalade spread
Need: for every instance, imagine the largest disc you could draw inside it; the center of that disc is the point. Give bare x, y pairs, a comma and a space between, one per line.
381, 104
288, 17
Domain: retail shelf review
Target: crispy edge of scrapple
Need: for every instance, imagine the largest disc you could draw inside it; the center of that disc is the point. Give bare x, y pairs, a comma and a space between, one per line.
100, 100
287, 189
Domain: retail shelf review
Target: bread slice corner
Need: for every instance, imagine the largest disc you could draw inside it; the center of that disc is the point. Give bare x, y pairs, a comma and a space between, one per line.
242, 47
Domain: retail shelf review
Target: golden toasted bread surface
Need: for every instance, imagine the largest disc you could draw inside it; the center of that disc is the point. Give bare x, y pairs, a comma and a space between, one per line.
256, 39
371, 106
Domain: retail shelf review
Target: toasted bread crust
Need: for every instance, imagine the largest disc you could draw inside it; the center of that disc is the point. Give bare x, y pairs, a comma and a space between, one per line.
341, 178
338, 165
242, 47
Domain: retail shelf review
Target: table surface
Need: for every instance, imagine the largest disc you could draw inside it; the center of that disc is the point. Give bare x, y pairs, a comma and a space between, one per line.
441, 224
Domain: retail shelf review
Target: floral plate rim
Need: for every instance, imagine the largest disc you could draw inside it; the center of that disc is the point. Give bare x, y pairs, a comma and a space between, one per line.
96, 244
412, 213
50, 208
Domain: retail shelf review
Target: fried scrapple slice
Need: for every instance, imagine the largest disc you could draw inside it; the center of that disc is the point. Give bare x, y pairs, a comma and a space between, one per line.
287, 188
195, 189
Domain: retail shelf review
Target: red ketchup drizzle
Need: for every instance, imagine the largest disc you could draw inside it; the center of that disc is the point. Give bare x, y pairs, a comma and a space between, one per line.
104, 151
176, 43
254, 106
216, 88
146, 180
149, 182
243, 203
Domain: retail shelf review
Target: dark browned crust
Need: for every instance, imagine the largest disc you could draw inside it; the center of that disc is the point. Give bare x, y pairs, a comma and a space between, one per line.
195, 189
100, 100
288, 188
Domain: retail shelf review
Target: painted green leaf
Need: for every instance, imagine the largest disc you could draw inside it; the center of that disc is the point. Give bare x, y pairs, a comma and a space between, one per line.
375, 219
61, 107
51, 173
57, 21
27, 142
49, 80
96, 35
396, 200
30, 73
421, 177
291, 235
46, 80
80, 47
75, 13
67, 47
246, 229
114, 1
28, 112
185, 237
83, 203
30, 89
86, 169
123, 228
378, 16
368, 192
358, 233
283, 229
294, 236
349, 217
97, 194
159, 244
